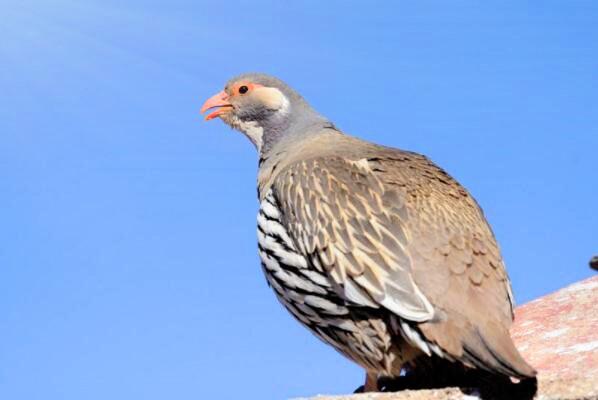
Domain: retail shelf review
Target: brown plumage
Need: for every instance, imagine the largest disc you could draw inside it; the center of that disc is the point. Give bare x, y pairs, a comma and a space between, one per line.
376, 250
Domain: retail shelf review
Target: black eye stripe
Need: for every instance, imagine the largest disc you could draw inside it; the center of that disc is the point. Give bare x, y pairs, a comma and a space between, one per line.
243, 89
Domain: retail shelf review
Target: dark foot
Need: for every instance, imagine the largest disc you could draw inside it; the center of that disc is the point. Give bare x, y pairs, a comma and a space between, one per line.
359, 389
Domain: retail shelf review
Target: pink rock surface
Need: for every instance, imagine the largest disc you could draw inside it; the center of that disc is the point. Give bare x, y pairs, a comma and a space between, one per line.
558, 333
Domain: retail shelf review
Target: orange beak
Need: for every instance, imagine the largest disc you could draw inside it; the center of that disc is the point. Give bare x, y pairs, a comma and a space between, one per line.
218, 101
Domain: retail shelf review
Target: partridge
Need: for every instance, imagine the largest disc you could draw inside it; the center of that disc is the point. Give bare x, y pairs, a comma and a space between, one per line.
377, 251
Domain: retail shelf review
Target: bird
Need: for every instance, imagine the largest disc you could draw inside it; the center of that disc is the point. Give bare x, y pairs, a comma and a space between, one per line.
377, 251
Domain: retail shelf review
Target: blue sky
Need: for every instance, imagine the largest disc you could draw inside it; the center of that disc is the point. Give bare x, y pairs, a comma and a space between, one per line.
128, 260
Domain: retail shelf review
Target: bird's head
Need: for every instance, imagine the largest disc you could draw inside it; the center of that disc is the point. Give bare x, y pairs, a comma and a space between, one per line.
264, 108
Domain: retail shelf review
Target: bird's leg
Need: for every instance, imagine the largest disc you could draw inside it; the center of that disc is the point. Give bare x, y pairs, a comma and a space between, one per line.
371, 382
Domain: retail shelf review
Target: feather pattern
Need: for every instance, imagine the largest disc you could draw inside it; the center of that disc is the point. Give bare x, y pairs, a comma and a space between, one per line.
358, 332
393, 232
345, 223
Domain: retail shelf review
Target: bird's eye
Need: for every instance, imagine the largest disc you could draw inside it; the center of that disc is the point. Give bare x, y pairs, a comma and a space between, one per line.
243, 89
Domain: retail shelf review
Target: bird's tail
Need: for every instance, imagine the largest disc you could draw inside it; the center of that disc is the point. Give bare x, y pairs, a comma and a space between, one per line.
487, 347
494, 351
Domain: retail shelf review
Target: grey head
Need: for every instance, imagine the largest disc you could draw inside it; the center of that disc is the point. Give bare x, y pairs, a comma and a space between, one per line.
265, 109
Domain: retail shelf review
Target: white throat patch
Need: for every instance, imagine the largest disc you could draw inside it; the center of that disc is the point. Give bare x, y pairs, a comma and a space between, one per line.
253, 131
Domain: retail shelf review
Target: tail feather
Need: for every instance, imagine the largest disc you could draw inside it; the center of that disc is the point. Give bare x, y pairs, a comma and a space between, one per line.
488, 347
495, 352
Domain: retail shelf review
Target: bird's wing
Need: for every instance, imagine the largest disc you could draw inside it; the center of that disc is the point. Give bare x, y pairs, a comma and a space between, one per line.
350, 226
457, 264
397, 232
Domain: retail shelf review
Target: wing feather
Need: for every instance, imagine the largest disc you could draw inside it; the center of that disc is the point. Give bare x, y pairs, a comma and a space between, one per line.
345, 219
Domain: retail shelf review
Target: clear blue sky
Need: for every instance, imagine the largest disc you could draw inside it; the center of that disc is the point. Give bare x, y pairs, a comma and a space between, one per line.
128, 260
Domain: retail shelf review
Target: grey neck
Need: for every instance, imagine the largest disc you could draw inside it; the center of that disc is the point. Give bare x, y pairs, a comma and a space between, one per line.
290, 127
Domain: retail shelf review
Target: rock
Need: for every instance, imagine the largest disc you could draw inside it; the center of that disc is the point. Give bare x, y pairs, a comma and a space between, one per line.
557, 334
